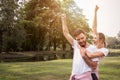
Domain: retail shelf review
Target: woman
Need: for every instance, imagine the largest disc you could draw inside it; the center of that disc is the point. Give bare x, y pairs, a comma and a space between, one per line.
99, 42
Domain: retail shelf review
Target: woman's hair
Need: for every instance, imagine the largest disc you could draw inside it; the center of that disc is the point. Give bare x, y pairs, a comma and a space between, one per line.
102, 38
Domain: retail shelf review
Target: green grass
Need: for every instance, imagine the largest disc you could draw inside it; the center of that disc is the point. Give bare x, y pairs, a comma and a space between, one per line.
110, 68
114, 50
55, 70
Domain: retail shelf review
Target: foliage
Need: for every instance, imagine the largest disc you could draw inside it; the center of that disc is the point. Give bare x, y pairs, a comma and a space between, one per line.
42, 21
113, 42
35, 25
118, 36
12, 34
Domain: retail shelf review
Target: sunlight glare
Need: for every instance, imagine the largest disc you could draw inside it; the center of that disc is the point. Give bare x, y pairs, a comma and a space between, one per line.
61, 0
108, 14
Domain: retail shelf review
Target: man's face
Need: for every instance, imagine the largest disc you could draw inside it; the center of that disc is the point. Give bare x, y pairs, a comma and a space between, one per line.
81, 38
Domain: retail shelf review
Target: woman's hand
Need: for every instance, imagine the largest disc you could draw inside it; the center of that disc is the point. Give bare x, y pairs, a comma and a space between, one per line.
96, 8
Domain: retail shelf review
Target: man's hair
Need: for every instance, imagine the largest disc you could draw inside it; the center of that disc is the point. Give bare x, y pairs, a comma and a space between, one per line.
78, 31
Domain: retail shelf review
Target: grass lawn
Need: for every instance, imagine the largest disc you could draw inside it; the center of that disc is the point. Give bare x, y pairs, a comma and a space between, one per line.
55, 70
114, 50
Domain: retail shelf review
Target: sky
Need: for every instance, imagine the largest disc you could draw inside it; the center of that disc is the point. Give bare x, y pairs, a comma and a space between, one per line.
108, 14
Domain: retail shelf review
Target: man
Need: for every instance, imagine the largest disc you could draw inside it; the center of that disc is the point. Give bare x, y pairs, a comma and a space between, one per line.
80, 70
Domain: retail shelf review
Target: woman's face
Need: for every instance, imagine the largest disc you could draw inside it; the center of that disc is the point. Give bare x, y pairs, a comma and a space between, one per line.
100, 38
94, 39
97, 38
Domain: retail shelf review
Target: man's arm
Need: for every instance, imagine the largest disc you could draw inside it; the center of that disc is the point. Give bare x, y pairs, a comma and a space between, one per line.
92, 64
65, 29
94, 26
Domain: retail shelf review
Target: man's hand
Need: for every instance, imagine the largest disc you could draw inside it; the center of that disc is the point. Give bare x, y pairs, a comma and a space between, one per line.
82, 51
63, 17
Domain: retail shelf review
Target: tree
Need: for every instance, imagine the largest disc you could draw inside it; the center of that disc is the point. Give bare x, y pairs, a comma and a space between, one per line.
12, 34
118, 36
40, 15
42, 21
75, 18
111, 42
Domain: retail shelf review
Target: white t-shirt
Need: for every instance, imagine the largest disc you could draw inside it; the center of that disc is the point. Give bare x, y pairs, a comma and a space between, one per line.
104, 51
79, 65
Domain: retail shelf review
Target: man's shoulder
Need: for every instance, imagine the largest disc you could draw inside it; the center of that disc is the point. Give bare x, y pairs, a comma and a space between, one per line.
75, 43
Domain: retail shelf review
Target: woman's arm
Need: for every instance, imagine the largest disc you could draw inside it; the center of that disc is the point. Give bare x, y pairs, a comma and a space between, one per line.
94, 25
95, 54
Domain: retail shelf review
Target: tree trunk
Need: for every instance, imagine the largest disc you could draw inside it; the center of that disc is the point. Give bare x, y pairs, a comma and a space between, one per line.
55, 46
0, 46
64, 46
49, 44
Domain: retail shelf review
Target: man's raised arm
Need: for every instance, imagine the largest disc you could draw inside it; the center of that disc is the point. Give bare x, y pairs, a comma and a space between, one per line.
65, 29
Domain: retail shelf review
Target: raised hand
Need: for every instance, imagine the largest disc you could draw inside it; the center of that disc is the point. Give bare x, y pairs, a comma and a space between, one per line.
96, 8
94, 25
63, 17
